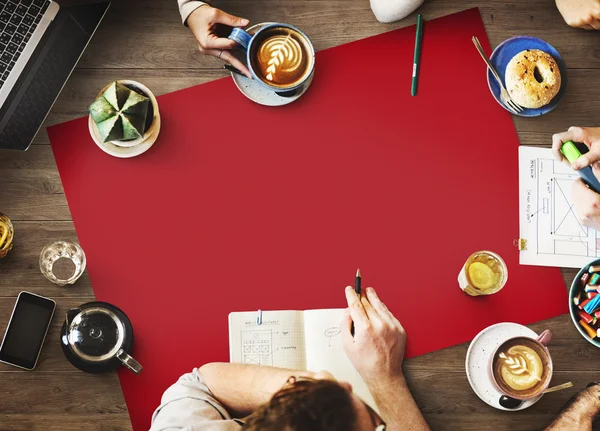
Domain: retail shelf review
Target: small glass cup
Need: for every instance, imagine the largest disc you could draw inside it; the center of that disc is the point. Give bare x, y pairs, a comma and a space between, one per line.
7, 233
62, 262
484, 273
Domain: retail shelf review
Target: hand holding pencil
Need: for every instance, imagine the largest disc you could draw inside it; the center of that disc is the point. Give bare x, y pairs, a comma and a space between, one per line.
377, 348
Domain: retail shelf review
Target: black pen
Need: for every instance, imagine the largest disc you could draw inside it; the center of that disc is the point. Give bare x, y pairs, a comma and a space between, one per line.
230, 68
357, 289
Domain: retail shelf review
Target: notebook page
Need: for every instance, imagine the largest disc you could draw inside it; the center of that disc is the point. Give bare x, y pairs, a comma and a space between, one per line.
324, 350
278, 341
548, 221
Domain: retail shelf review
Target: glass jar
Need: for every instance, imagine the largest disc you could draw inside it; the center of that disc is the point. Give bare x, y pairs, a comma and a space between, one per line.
7, 233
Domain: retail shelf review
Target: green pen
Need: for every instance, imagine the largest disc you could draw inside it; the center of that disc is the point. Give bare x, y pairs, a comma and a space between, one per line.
415, 73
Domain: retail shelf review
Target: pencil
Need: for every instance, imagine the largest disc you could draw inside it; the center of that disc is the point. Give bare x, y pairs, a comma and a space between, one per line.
417, 60
357, 289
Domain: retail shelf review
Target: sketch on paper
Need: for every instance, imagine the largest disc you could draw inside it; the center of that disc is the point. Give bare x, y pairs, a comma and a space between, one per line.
332, 332
548, 220
257, 347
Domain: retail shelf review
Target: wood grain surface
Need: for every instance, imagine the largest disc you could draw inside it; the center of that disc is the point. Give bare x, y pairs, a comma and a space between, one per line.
144, 40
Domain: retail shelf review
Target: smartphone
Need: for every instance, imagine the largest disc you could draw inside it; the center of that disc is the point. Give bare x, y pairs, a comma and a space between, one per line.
26, 331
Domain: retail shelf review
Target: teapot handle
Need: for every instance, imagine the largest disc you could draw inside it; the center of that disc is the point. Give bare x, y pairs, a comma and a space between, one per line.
129, 362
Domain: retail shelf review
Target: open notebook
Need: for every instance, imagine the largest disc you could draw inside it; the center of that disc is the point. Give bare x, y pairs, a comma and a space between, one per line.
300, 340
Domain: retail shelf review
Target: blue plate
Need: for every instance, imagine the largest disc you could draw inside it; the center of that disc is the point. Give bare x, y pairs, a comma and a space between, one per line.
506, 51
573, 309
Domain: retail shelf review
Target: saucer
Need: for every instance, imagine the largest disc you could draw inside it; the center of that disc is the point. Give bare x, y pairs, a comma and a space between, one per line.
256, 92
502, 56
129, 151
478, 359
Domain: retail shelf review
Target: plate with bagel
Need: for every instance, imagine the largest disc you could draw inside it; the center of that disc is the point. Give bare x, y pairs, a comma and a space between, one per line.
532, 71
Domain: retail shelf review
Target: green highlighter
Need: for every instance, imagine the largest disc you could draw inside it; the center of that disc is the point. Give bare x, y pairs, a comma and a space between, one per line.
572, 153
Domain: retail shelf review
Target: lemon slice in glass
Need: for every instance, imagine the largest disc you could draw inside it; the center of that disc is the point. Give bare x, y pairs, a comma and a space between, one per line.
481, 275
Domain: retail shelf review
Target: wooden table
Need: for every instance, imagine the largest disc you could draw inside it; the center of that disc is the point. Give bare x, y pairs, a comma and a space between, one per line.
144, 40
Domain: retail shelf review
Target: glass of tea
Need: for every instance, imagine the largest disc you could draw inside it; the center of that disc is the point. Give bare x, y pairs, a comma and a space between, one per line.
483, 273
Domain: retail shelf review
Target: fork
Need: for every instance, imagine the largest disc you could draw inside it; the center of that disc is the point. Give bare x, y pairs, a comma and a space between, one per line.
504, 96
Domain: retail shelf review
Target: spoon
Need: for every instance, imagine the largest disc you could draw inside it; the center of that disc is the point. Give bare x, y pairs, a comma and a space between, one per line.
512, 403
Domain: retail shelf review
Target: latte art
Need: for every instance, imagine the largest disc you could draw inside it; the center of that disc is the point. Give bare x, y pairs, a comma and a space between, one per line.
281, 55
282, 58
520, 367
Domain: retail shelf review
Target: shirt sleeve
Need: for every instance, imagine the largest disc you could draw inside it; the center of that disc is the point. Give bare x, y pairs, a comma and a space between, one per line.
186, 7
189, 405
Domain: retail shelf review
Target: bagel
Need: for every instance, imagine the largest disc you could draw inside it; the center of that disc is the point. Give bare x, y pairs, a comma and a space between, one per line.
532, 78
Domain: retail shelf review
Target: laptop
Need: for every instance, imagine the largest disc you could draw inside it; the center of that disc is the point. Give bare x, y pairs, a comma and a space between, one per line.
40, 44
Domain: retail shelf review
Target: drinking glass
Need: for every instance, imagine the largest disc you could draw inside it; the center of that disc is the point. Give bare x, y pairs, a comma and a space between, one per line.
484, 273
62, 262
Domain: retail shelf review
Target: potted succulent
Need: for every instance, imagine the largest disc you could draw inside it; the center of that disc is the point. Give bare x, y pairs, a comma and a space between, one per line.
124, 119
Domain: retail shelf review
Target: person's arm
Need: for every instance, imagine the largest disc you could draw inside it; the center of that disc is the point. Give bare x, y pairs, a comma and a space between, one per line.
241, 389
186, 7
377, 350
587, 202
206, 24
580, 13
580, 411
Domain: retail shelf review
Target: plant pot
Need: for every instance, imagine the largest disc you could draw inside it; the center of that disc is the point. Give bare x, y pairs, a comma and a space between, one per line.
133, 147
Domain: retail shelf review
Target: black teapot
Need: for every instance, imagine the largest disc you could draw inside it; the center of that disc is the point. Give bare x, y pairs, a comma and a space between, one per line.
97, 337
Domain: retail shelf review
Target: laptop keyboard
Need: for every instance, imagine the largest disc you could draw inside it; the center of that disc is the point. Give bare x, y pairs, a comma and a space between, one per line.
18, 20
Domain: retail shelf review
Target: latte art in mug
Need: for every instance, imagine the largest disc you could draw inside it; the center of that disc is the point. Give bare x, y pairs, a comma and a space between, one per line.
520, 367
282, 58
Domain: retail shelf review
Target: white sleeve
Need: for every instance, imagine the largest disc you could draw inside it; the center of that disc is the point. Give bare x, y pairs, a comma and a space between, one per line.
393, 10
188, 405
186, 7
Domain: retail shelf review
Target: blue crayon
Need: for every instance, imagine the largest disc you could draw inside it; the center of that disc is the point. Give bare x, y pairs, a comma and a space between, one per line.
591, 306
594, 279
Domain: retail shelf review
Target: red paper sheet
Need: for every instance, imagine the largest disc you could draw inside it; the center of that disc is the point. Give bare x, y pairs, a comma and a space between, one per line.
240, 207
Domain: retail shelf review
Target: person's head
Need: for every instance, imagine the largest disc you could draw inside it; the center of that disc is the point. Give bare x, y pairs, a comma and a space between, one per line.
321, 404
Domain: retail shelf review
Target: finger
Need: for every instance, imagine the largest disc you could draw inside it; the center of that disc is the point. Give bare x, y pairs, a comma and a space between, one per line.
558, 139
595, 24
586, 159
230, 20
346, 329
581, 193
372, 314
578, 134
228, 57
214, 42
357, 310
584, 199
382, 310
231, 59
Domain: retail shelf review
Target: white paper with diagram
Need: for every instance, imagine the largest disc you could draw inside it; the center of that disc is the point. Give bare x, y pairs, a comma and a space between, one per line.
550, 231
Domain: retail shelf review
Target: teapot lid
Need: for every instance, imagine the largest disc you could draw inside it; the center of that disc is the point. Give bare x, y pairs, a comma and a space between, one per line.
96, 334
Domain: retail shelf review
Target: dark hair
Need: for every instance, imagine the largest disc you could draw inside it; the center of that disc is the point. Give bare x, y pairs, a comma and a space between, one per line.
306, 405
